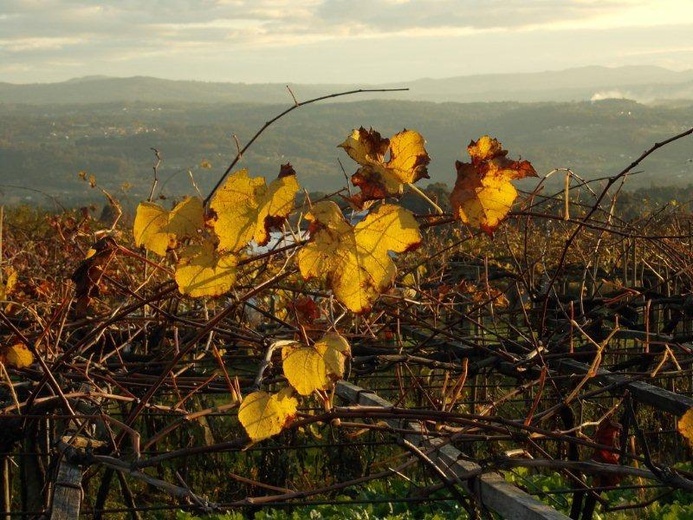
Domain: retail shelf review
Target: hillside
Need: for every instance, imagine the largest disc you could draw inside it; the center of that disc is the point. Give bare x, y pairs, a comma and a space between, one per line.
645, 84
145, 89
44, 147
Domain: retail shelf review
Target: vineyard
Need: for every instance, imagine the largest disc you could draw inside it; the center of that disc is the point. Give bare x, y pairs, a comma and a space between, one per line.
253, 353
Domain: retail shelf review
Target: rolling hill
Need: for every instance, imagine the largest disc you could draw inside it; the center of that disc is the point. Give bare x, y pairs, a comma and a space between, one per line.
43, 147
645, 84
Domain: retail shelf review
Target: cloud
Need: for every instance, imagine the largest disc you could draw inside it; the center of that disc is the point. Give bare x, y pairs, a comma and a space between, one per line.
389, 16
611, 94
33, 44
293, 21
193, 34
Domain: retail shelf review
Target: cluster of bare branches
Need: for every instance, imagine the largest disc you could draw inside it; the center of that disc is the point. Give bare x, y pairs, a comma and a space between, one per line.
562, 346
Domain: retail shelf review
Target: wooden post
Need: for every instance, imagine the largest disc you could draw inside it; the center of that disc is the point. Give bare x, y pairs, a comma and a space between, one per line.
67, 492
6, 497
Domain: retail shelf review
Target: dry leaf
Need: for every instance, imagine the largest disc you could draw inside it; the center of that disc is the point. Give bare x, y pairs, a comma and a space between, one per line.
381, 176
315, 367
483, 194
159, 230
355, 260
246, 208
264, 415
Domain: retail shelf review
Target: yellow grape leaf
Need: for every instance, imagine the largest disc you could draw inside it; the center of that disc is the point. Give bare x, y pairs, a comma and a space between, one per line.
246, 208
336, 349
485, 149
202, 271
379, 178
159, 230
685, 425
264, 415
316, 367
355, 261
17, 356
9, 282
483, 194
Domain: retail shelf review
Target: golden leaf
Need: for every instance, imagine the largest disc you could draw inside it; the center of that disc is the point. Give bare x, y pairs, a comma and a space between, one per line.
202, 271
408, 157
159, 230
486, 148
379, 178
17, 356
685, 425
355, 260
264, 415
482, 201
483, 194
9, 282
246, 208
316, 367
366, 146
335, 349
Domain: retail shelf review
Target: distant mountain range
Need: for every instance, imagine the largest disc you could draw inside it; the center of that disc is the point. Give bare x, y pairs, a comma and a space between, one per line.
645, 84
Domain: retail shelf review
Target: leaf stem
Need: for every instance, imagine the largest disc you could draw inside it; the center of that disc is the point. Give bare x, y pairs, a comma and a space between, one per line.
416, 190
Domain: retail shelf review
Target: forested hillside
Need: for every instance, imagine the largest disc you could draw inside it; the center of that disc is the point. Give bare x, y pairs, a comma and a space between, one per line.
45, 147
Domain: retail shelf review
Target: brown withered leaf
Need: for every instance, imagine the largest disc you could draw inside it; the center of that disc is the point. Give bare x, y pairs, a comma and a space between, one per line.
386, 164
307, 311
483, 193
608, 434
89, 272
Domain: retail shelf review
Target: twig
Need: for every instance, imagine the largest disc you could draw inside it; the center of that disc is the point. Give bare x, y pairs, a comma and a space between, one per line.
292, 95
239, 152
447, 481
267, 360
155, 181
177, 491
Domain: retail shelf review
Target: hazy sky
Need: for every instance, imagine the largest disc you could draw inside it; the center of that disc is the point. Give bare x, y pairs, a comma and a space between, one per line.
335, 41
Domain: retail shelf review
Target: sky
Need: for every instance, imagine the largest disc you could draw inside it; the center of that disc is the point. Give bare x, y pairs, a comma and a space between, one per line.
335, 41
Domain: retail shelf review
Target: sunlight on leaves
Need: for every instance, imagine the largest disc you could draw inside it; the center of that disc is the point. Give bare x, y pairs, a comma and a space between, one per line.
263, 415
8, 282
159, 230
685, 426
379, 176
246, 208
483, 194
202, 271
315, 367
355, 261
17, 356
